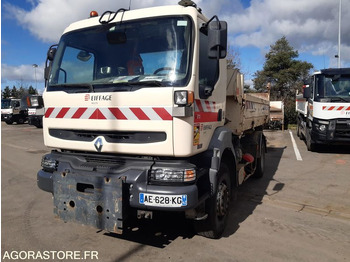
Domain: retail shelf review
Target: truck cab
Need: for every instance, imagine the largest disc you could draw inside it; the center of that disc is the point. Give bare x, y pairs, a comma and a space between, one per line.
14, 110
324, 108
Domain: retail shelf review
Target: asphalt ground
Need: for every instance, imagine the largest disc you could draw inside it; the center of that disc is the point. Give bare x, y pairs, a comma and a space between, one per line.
299, 211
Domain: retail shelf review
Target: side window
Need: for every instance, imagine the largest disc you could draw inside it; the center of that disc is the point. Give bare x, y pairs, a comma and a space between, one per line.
312, 86
208, 68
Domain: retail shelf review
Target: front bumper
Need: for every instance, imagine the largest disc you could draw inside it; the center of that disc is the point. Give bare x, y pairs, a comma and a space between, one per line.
101, 195
337, 132
6, 117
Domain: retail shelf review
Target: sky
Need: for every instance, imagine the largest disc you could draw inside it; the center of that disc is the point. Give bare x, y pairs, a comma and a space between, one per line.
30, 27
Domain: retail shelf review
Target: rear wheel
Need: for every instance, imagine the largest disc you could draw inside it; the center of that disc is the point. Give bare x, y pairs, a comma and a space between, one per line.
217, 207
260, 162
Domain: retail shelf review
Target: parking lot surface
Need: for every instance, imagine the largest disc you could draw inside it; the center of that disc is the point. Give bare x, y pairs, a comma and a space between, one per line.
299, 211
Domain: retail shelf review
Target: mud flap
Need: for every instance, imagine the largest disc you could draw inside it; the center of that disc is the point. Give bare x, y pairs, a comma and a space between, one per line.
90, 200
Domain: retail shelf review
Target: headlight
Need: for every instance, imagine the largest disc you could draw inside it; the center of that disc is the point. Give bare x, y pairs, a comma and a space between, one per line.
322, 128
48, 164
183, 98
321, 125
173, 175
34, 101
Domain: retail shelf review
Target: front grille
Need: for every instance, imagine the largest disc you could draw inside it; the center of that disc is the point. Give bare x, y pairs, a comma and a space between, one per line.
342, 128
109, 136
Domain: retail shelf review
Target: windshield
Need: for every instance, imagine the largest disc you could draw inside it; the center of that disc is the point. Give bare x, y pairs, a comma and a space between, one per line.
5, 103
333, 88
148, 52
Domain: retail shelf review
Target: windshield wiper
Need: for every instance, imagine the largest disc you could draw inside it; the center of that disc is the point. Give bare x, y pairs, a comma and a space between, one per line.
338, 98
150, 83
72, 87
126, 86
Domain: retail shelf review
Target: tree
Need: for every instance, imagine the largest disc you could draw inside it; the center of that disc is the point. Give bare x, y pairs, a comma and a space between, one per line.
281, 69
22, 92
14, 92
233, 59
284, 74
247, 89
6, 93
32, 91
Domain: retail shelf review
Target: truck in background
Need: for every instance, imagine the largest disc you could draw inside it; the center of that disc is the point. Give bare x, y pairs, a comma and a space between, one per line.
36, 110
324, 109
276, 115
143, 116
14, 110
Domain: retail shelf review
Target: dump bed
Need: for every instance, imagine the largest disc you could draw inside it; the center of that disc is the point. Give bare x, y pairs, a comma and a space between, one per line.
276, 111
244, 111
301, 104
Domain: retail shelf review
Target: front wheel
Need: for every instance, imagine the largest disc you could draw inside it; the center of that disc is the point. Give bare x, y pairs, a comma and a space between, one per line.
310, 144
217, 207
20, 121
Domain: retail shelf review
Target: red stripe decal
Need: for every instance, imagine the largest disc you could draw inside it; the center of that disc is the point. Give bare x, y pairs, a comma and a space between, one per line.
331, 108
348, 108
200, 117
340, 108
324, 108
163, 113
62, 112
49, 111
117, 113
139, 113
79, 112
97, 114
199, 105
207, 104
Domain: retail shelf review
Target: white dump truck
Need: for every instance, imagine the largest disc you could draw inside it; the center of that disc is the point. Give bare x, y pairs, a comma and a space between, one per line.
324, 108
14, 110
144, 116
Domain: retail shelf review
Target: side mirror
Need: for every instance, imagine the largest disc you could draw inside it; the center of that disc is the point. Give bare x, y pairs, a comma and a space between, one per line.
49, 58
205, 91
51, 53
84, 56
306, 91
217, 39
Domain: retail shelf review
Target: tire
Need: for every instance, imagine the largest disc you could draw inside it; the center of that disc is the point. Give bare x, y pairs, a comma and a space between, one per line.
298, 129
10, 122
299, 133
310, 145
260, 163
20, 121
217, 207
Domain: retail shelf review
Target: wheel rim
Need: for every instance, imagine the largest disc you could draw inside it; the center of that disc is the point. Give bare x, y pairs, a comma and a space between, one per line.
222, 200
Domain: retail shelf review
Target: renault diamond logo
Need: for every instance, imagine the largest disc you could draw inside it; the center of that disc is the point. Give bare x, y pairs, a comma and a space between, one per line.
98, 144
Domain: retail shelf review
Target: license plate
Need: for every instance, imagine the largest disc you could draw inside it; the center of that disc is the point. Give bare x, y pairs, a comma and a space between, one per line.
163, 200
